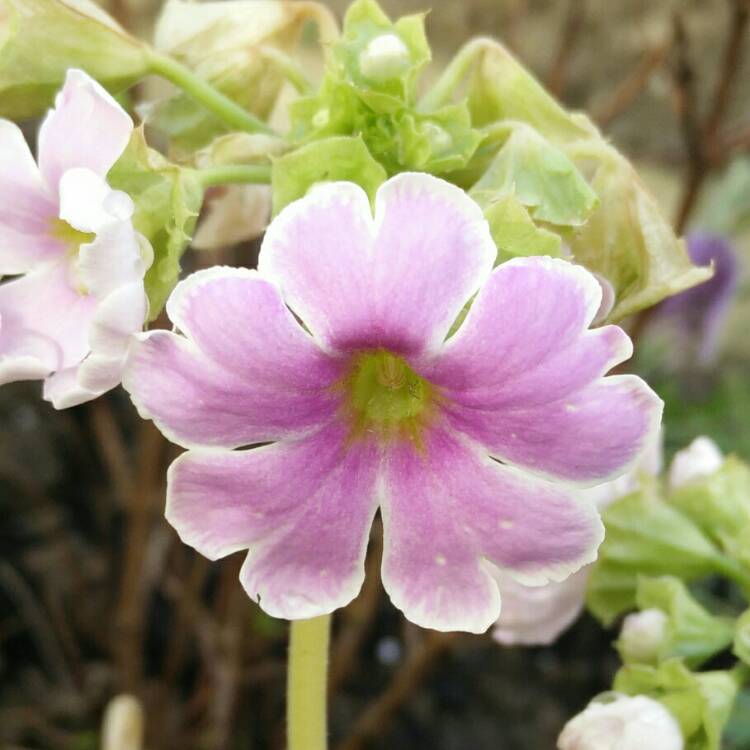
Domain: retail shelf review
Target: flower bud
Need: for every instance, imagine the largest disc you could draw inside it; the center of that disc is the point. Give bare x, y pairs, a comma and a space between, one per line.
122, 728
642, 636
701, 458
626, 723
384, 58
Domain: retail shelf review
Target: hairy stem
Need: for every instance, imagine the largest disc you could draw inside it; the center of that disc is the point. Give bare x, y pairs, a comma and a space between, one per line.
228, 174
211, 98
307, 684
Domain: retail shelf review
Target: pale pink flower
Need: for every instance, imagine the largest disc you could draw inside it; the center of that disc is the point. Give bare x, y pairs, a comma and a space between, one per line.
465, 442
67, 236
625, 723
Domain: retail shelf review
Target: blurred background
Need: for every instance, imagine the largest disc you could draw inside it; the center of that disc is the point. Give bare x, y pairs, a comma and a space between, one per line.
97, 595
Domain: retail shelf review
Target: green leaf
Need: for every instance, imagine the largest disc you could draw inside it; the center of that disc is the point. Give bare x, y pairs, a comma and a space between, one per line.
701, 702
167, 201
645, 536
542, 177
502, 89
513, 230
742, 638
338, 158
224, 42
629, 242
720, 505
693, 633
626, 240
41, 39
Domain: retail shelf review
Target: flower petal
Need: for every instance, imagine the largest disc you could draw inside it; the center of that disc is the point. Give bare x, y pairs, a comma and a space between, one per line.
238, 319
26, 207
63, 390
87, 128
396, 281
304, 508
448, 510
538, 615
197, 402
43, 319
88, 203
591, 436
524, 375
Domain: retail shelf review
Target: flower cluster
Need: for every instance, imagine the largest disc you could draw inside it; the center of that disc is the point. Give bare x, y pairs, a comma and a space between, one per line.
67, 237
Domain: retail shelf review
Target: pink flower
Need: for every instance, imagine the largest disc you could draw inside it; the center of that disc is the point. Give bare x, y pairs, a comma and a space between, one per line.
69, 315
466, 445
539, 615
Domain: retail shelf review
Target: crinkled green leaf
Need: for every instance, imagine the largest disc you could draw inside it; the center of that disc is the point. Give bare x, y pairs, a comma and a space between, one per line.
701, 702
645, 536
502, 89
629, 242
692, 633
167, 201
720, 505
626, 240
41, 39
224, 42
338, 158
513, 230
542, 177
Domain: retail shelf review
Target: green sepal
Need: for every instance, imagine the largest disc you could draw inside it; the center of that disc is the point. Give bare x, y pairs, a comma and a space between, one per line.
645, 536
41, 39
692, 632
720, 505
701, 702
513, 230
542, 177
167, 201
339, 158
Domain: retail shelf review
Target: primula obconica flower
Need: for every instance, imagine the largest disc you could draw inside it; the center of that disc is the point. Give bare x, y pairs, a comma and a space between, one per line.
465, 442
625, 723
538, 615
78, 297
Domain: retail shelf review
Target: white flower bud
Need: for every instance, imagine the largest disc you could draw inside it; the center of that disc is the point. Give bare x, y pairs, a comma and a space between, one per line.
122, 728
627, 723
385, 57
701, 458
642, 635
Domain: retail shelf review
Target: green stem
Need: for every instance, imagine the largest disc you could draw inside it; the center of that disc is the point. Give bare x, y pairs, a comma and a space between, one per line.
307, 684
212, 99
227, 174
289, 67
443, 90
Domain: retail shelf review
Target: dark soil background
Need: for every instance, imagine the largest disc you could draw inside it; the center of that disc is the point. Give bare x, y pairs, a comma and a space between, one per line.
99, 597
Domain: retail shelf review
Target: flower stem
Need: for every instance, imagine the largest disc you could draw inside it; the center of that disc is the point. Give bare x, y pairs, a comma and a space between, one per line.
452, 76
226, 174
292, 71
212, 99
307, 684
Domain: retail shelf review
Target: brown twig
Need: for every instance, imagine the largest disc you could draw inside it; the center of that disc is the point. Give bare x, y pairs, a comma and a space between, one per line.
700, 137
574, 21
631, 87
131, 605
381, 711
